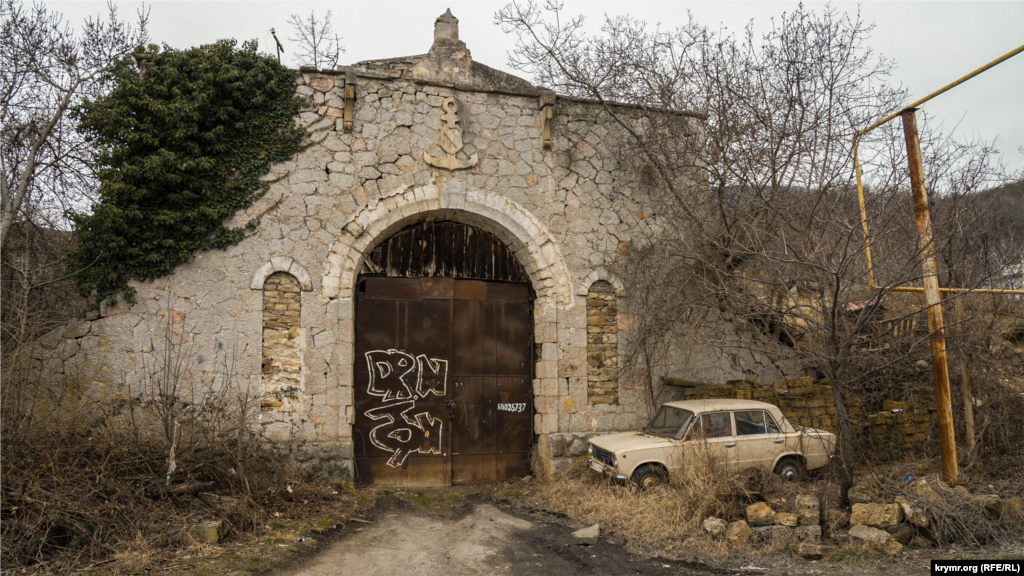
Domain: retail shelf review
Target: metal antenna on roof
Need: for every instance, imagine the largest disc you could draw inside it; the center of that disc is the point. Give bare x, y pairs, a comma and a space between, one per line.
280, 48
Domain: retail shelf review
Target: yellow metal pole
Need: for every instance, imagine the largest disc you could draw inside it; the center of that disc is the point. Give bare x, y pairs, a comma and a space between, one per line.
860, 186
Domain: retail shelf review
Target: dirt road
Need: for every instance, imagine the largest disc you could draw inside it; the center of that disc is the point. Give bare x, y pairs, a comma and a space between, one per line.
481, 540
478, 537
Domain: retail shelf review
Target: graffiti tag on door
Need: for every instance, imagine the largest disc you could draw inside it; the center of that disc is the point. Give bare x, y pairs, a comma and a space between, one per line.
399, 379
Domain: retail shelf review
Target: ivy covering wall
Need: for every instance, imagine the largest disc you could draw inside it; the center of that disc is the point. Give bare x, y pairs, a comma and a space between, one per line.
182, 140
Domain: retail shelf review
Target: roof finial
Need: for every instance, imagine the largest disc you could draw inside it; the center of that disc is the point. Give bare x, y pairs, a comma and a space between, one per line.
446, 27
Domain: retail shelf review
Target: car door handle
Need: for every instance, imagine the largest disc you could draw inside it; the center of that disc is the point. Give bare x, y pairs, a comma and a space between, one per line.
780, 440
730, 445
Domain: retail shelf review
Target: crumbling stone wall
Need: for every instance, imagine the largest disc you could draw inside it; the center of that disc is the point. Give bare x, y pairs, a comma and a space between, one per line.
805, 402
602, 344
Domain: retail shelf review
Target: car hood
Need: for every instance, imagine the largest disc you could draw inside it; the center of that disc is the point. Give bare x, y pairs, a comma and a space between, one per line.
626, 441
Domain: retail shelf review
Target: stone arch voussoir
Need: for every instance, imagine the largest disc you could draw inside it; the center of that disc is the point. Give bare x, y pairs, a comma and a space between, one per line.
511, 223
282, 264
598, 274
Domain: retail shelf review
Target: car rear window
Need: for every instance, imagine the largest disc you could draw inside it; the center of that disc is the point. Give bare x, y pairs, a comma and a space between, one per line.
752, 422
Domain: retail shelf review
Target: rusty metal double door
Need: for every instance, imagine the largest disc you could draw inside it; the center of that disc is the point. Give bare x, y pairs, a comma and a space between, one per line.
443, 391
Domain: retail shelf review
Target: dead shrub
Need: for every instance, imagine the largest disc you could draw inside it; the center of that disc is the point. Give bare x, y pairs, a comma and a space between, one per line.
88, 469
958, 517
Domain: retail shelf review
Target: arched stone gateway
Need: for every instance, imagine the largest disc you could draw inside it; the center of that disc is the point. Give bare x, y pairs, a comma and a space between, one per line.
443, 359
511, 223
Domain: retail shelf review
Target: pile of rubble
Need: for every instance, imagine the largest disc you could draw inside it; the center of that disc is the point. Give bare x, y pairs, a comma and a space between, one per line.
889, 526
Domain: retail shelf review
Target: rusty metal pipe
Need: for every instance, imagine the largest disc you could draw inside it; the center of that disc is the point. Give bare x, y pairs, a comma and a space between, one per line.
937, 336
860, 186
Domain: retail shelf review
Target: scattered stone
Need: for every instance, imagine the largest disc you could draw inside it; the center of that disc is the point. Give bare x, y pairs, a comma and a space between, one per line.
914, 514
813, 551
862, 494
760, 514
836, 519
714, 526
588, 535
902, 533
880, 538
577, 448
808, 533
527, 478
924, 490
1011, 508
882, 516
808, 509
738, 532
777, 536
786, 519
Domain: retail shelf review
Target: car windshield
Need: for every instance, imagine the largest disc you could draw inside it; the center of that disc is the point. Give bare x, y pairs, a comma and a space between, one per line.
669, 421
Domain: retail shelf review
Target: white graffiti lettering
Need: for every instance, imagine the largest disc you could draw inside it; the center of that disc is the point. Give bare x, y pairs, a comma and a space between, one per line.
402, 430
511, 406
388, 369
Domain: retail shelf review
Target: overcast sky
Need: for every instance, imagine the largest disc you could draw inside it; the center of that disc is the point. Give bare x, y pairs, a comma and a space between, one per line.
932, 43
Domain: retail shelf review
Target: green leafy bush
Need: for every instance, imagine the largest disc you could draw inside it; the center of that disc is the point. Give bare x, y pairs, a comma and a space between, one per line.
181, 142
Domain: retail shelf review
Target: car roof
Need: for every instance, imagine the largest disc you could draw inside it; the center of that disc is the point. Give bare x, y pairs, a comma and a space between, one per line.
711, 405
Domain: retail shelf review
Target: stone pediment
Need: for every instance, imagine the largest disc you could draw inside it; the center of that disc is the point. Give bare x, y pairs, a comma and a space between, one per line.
450, 62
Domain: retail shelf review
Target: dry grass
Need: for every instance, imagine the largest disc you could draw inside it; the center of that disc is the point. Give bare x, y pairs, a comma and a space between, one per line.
664, 521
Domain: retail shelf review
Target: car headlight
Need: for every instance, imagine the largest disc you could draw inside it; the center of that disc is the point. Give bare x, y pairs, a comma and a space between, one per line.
590, 449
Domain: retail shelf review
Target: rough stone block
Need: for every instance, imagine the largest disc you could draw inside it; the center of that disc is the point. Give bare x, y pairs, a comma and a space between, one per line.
738, 532
880, 538
916, 515
808, 509
881, 516
862, 494
77, 329
760, 514
785, 519
808, 533
715, 526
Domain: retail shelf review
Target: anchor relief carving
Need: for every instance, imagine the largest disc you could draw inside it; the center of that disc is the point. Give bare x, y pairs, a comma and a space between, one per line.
451, 140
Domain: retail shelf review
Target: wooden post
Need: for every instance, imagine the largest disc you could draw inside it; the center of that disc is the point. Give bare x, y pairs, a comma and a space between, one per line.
937, 336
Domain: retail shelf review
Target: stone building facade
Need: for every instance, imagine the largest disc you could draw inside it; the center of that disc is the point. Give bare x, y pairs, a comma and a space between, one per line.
396, 143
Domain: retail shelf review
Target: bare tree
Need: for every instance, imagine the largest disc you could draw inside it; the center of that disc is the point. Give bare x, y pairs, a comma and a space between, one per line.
318, 45
762, 222
45, 70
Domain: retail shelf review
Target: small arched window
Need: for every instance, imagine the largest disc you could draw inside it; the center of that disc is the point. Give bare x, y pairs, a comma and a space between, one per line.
282, 356
602, 344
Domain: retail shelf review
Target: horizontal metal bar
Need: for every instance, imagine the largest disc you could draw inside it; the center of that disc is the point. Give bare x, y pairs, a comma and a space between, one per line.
949, 290
949, 86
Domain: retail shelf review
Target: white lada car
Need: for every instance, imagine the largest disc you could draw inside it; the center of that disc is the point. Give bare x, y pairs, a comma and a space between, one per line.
736, 434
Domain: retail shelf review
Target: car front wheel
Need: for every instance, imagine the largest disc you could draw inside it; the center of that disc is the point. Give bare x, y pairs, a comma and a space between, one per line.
790, 470
649, 476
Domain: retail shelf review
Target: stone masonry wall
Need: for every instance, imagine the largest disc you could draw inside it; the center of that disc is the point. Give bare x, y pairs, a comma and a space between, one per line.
567, 206
808, 403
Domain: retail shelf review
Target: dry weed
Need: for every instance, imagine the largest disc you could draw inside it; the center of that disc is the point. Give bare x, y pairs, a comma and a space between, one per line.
653, 522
